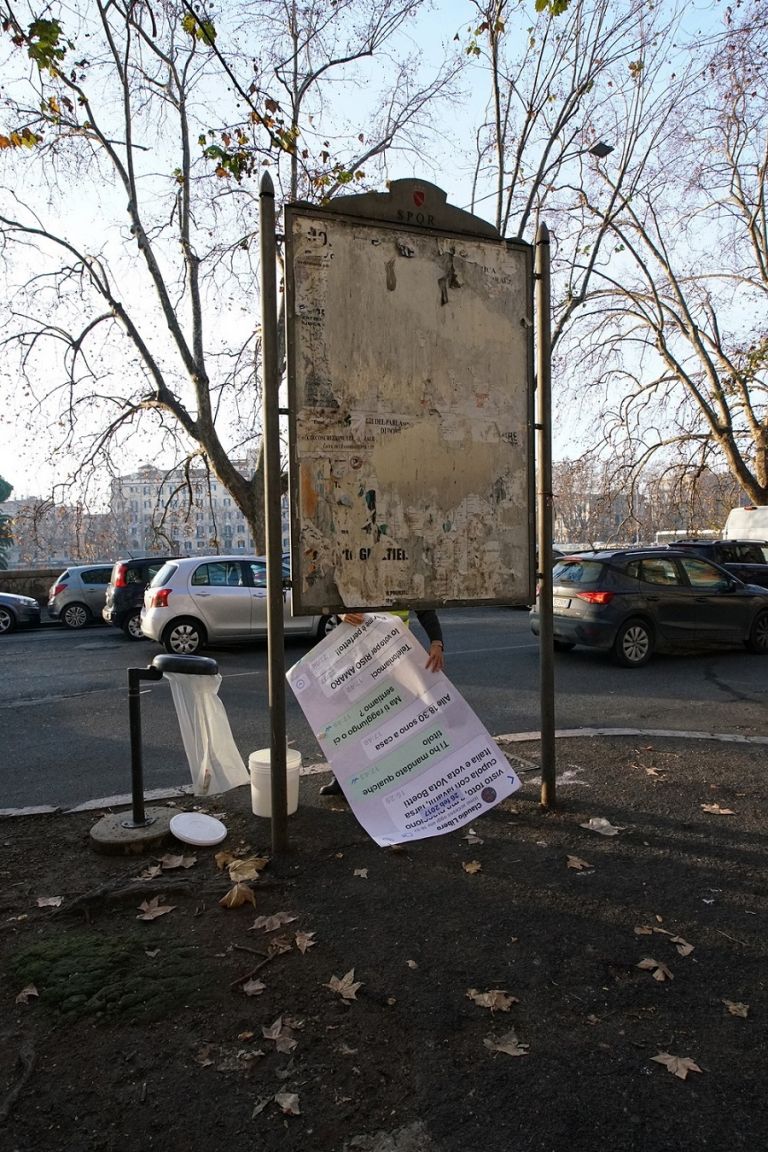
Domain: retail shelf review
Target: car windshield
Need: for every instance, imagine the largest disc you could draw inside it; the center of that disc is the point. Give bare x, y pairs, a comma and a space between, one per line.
163, 576
576, 570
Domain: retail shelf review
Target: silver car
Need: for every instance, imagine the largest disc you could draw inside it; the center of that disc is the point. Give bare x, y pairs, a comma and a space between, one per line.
17, 612
201, 600
77, 596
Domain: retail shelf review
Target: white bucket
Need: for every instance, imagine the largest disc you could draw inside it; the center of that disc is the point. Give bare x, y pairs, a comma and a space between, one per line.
260, 769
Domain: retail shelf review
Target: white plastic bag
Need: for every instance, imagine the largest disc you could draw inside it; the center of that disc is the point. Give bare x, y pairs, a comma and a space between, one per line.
214, 761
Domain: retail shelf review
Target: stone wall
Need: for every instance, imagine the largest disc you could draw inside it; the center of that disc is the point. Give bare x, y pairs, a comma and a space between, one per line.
29, 582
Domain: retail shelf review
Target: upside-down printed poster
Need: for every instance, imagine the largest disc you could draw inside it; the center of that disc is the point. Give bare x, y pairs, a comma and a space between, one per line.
411, 756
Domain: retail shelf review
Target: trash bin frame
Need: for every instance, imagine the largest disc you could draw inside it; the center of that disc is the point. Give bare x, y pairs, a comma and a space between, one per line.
186, 665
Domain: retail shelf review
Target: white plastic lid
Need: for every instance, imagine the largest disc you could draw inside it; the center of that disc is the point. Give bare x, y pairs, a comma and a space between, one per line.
197, 828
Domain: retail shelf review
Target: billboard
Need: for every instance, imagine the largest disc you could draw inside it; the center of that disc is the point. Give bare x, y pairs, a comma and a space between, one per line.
409, 346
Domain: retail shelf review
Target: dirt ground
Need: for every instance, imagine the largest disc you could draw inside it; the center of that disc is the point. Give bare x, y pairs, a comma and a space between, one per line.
516, 989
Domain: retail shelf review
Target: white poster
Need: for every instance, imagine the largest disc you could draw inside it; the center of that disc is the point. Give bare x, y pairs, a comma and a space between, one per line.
410, 754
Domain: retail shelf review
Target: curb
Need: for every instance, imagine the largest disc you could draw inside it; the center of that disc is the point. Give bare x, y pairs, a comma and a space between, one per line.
320, 767
125, 799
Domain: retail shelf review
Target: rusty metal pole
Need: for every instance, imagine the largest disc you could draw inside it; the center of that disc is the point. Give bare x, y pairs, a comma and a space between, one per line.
271, 449
544, 515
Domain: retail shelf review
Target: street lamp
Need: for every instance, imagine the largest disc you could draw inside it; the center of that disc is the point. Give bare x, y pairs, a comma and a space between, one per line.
601, 150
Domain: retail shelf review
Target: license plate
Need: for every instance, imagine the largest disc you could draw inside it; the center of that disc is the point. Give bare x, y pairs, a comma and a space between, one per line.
561, 602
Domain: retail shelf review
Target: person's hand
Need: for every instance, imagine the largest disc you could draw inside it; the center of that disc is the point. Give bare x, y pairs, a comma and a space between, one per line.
435, 658
353, 618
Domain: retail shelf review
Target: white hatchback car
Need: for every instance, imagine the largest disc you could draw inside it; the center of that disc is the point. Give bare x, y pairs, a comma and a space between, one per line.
200, 600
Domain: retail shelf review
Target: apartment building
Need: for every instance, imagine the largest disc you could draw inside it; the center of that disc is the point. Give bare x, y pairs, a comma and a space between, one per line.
187, 514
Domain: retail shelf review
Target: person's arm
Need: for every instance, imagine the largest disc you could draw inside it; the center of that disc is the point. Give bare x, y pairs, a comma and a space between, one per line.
431, 624
353, 618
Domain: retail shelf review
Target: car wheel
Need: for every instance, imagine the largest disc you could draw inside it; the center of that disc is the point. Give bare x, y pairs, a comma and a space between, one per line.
758, 635
132, 627
633, 645
75, 616
184, 637
563, 645
327, 624
7, 620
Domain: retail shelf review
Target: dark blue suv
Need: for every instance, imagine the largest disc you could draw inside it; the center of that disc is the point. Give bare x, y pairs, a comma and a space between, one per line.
634, 602
747, 559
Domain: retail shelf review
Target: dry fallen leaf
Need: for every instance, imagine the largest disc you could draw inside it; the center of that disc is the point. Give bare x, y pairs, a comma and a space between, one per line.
411, 963
289, 1103
151, 953
495, 998
245, 1035
679, 1066
247, 869
49, 901
472, 838
363, 872
654, 772
253, 987
717, 810
657, 968
472, 866
279, 944
508, 1043
603, 826
305, 941
223, 859
577, 863
294, 1022
270, 923
151, 909
346, 987
237, 896
27, 994
681, 946
150, 872
170, 861
260, 1105
736, 1008
281, 1034
643, 930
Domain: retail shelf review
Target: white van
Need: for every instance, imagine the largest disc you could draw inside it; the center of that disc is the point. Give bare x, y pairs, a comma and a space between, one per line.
747, 524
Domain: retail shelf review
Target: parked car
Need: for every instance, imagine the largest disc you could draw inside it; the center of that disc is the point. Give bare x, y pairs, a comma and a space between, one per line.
125, 592
634, 602
77, 596
200, 600
747, 559
17, 612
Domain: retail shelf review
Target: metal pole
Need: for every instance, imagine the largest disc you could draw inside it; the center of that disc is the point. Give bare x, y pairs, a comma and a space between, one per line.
135, 676
137, 766
271, 447
544, 515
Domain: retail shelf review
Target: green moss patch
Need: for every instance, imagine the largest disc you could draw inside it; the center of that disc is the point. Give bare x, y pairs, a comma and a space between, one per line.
89, 975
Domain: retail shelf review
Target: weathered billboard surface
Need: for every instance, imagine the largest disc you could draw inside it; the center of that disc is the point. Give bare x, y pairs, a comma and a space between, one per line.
410, 382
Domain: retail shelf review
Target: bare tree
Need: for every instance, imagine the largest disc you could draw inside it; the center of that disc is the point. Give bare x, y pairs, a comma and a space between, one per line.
589, 507
673, 337
138, 133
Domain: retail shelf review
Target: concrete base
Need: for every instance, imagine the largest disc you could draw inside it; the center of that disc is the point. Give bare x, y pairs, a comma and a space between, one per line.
111, 838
